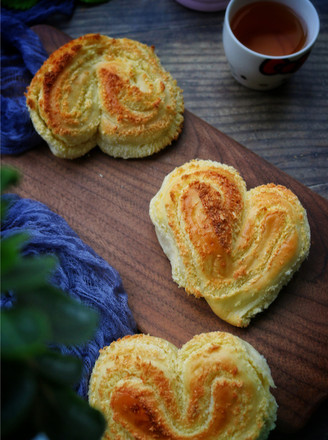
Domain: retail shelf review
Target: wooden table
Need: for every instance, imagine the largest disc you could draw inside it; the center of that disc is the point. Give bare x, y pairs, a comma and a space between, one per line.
288, 127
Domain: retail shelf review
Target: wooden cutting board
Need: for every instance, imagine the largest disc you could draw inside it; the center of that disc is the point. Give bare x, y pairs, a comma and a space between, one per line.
106, 202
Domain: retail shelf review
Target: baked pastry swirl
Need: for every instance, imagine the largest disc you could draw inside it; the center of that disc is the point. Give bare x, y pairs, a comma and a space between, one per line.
97, 90
216, 386
236, 248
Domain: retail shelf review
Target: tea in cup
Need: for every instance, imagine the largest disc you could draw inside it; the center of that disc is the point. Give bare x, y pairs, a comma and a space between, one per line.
266, 41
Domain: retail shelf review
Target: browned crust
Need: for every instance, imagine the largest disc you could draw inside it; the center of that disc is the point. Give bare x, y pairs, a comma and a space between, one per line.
117, 87
211, 388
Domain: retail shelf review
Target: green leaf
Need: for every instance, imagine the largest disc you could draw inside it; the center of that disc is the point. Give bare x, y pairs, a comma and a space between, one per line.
17, 394
71, 322
10, 250
9, 176
65, 416
28, 273
23, 332
63, 370
19, 4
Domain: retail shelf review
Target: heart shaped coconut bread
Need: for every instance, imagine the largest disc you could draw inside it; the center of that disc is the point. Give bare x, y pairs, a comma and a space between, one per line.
236, 248
216, 387
114, 93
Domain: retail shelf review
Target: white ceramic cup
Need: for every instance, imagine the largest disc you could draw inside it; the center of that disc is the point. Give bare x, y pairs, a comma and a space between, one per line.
265, 72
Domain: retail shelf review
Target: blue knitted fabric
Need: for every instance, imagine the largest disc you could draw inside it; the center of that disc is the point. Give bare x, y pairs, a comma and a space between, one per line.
81, 273
22, 54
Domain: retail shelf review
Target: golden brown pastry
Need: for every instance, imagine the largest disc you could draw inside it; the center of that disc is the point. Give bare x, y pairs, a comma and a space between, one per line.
236, 248
216, 387
114, 93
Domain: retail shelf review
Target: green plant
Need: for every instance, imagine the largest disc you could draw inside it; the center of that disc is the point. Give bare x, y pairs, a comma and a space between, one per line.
37, 381
19, 4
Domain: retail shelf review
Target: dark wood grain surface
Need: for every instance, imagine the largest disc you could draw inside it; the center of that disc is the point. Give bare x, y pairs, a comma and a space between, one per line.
106, 202
288, 127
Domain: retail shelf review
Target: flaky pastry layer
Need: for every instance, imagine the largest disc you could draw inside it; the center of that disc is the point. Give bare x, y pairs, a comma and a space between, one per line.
97, 90
216, 387
236, 248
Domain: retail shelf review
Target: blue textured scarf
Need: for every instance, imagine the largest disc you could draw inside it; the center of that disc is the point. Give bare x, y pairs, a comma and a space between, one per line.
81, 273
22, 54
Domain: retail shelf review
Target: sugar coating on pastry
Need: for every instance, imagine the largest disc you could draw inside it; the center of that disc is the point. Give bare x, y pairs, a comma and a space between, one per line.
236, 248
114, 93
216, 387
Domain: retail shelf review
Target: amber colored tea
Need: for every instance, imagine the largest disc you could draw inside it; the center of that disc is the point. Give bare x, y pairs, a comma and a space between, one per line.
269, 28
